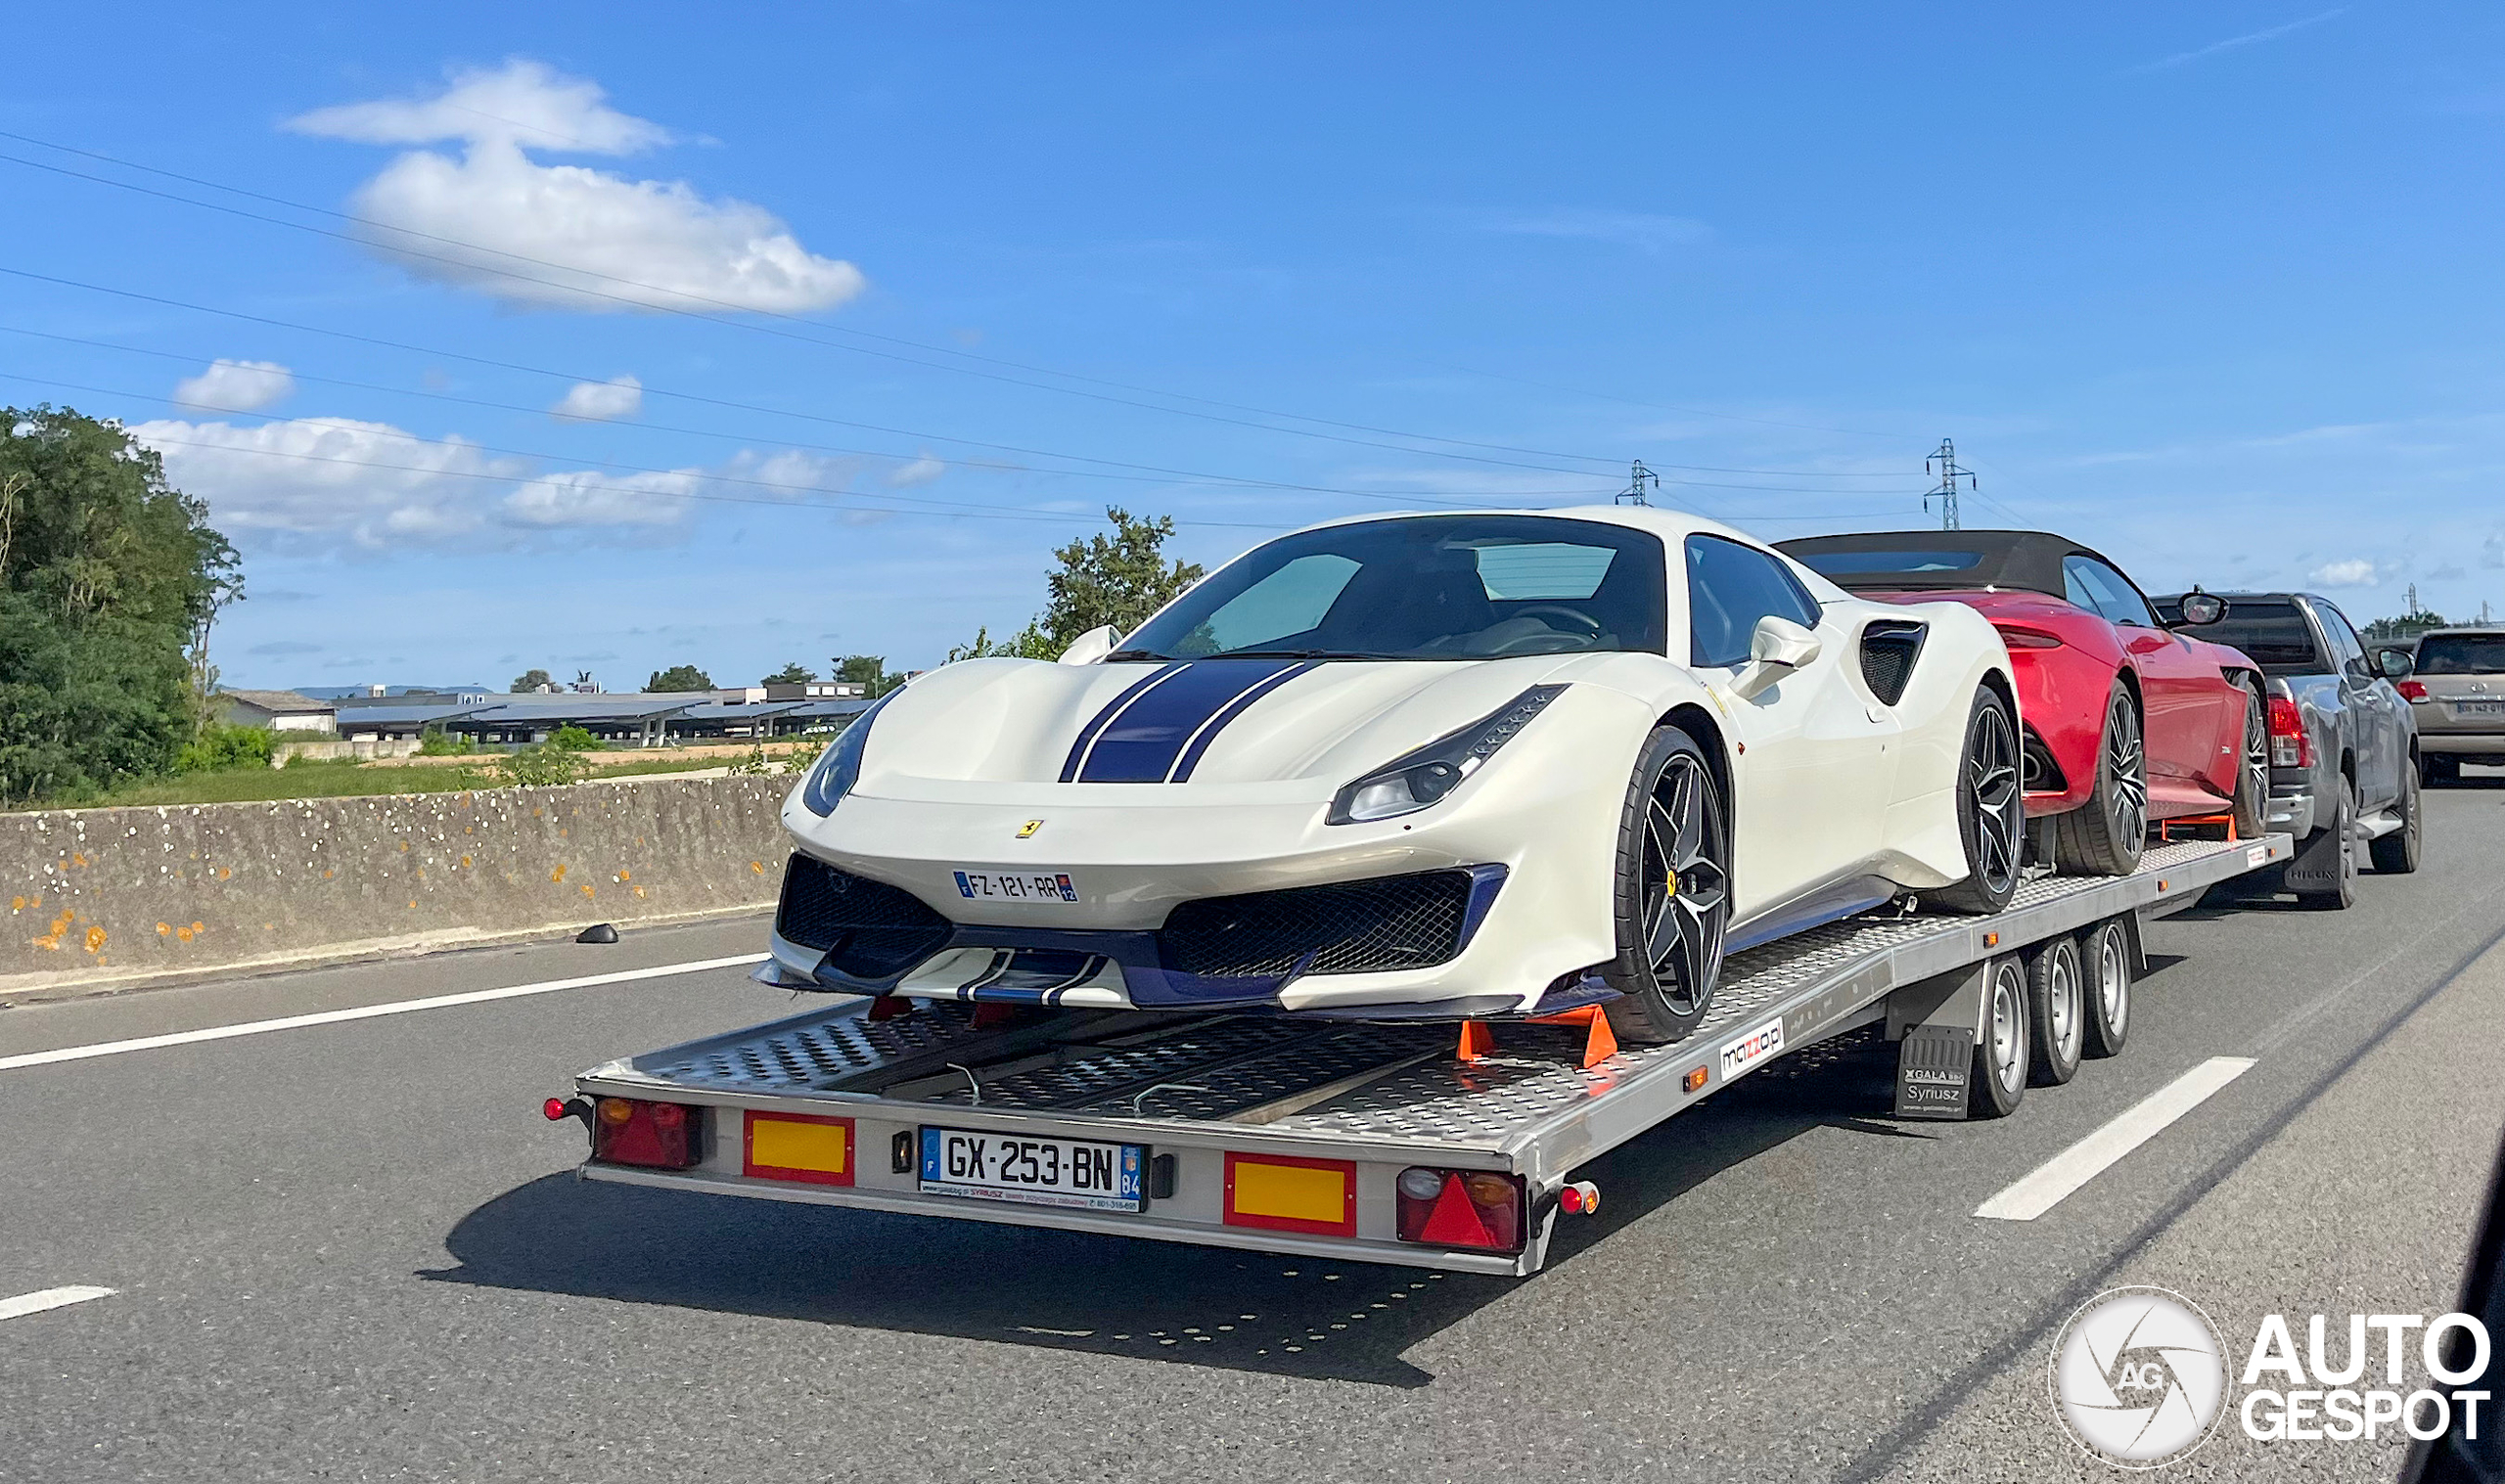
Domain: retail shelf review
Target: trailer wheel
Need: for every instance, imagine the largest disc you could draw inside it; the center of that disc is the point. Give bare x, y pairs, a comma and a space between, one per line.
2104, 960
2056, 1011
2001, 1044
1673, 893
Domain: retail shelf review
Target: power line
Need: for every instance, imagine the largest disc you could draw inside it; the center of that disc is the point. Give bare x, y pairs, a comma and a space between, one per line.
1221, 481
689, 396
725, 306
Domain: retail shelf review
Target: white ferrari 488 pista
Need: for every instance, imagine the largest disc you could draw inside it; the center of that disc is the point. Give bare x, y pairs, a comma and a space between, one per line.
1414, 767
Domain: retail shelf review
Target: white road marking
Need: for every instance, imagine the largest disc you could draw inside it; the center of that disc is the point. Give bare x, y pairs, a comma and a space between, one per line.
2050, 1183
367, 1011
48, 1299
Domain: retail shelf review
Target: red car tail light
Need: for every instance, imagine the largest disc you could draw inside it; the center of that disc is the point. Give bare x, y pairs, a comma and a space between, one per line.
1460, 1208
2290, 746
658, 1135
2020, 636
2411, 689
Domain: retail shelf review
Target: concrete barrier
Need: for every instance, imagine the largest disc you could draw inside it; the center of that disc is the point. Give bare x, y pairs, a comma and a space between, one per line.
101, 898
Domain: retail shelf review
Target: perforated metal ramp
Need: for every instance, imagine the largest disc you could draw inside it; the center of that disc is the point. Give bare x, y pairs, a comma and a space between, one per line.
1339, 1082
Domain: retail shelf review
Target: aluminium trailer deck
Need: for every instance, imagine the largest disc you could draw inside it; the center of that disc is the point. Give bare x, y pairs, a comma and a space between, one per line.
1371, 1098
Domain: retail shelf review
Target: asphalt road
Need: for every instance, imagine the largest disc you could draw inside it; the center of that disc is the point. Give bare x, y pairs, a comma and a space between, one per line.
352, 1250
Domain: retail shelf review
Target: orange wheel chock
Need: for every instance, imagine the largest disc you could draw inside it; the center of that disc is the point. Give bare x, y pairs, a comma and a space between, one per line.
1600, 1043
1476, 1041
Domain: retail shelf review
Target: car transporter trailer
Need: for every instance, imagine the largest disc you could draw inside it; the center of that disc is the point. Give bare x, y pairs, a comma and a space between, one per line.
1362, 1140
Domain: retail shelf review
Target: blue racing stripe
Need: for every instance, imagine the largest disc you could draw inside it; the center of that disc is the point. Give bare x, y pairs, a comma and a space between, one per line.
1141, 743
1088, 733
1233, 708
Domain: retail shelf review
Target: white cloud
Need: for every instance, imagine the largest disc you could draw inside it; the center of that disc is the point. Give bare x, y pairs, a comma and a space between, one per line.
2491, 552
315, 484
913, 475
1642, 232
609, 401
616, 244
2356, 571
2249, 38
235, 387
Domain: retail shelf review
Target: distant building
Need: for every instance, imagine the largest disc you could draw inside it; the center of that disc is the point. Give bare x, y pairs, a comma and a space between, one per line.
815, 690
278, 710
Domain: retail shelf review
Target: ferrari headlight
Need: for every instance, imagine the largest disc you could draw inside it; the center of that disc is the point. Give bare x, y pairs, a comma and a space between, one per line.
1419, 780
838, 768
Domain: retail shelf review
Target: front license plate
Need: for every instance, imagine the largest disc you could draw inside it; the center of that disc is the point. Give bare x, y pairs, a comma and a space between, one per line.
1036, 1172
1016, 886
2479, 708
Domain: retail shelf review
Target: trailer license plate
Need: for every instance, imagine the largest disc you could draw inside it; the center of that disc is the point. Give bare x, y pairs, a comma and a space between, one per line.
1034, 1172
1016, 886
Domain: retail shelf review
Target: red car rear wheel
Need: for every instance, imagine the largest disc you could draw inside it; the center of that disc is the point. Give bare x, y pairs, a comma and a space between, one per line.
2103, 836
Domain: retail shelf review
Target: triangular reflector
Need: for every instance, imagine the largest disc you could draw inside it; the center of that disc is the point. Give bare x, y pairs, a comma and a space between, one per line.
1454, 1222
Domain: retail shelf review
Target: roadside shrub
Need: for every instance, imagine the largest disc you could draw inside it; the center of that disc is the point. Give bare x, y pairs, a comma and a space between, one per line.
541, 766
435, 742
574, 738
803, 753
220, 747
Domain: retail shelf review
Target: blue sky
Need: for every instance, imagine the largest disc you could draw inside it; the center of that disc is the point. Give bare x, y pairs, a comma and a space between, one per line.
2213, 288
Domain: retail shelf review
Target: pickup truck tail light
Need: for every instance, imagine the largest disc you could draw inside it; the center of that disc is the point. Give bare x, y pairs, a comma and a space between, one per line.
1460, 1208
2411, 689
2290, 746
658, 1135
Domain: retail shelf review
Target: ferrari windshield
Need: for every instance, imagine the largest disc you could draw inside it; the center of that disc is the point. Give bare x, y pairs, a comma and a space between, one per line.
1431, 587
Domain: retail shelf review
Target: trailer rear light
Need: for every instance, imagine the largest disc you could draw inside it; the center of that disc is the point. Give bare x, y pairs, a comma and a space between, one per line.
2290, 746
2019, 638
1460, 1208
2411, 689
658, 1135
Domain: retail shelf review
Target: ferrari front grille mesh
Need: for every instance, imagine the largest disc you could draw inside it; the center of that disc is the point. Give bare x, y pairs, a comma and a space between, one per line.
1888, 653
1397, 921
867, 928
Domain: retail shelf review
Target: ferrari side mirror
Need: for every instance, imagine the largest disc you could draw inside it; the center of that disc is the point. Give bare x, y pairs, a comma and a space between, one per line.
2200, 609
1092, 646
1778, 647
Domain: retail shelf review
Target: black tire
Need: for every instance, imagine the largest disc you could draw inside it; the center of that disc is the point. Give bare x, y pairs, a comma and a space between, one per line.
1998, 1082
1991, 811
2252, 807
1674, 897
2105, 987
2056, 1011
2104, 835
2437, 772
2326, 860
2396, 853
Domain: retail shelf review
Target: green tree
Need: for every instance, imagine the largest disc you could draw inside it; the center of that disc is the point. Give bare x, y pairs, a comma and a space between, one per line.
793, 674
1117, 580
109, 578
1028, 643
2406, 626
572, 739
219, 748
868, 671
681, 676
531, 682
543, 766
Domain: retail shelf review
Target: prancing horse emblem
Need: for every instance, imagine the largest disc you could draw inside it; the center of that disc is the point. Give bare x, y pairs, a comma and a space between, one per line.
1028, 829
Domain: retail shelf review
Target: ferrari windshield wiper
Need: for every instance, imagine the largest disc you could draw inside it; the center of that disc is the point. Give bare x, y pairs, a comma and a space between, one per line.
1135, 654
1294, 655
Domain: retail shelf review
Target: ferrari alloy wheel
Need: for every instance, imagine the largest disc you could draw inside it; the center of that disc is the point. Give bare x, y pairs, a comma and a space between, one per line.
1673, 892
2103, 836
1991, 810
2252, 778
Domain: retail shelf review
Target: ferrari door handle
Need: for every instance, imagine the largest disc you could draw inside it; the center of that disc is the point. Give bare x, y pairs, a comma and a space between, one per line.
2145, 643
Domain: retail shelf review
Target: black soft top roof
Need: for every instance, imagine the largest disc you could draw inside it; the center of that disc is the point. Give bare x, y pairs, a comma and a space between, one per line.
2029, 560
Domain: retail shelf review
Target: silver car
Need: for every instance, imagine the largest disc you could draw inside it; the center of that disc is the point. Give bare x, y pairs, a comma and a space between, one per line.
2456, 682
2344, 747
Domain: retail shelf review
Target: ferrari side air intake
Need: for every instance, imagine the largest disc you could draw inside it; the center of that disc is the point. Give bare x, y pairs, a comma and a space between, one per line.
868, 929
1397, 921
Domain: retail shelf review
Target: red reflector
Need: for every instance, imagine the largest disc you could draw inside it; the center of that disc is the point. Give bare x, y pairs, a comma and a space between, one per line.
658, 1135
1477, 1209
2017, 638
2411, 689
553, 1109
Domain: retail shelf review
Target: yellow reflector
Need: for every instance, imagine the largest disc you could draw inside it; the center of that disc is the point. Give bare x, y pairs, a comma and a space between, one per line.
1286, 1194
798, 1147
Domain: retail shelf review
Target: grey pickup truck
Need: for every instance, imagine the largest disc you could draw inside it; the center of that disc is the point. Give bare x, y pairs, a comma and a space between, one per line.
2343, 746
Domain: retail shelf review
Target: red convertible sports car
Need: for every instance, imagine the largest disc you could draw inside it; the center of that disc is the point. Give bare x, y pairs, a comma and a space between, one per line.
2124, 720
